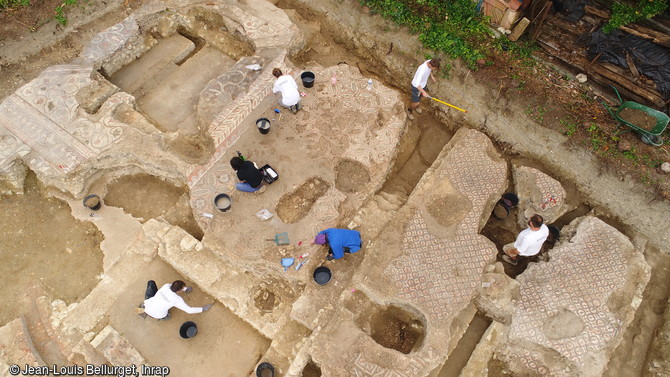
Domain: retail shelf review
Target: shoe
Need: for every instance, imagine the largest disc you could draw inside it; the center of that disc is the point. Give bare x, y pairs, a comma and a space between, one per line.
509, 260
330, 257
261, 190
293, 109
297, 106
418, 110
409, 115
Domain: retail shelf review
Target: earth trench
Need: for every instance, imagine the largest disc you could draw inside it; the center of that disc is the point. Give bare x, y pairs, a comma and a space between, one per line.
55, 241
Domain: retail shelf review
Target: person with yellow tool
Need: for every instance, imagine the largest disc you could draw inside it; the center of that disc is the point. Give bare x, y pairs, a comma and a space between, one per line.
419, 85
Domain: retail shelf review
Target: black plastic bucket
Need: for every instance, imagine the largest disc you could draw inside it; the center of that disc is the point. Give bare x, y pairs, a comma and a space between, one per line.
188, 330
263, 125
500, 211
554, 233
223, 202
307, 79
92, 202
322, 275
510, 200
265, 370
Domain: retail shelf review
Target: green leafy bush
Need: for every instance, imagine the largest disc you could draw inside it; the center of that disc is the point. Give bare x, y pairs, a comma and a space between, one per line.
624, 14
453, 27
4, 4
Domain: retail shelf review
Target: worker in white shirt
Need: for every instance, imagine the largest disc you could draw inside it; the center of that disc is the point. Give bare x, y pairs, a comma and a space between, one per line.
286, 85
420, 85
528, 242
158, 303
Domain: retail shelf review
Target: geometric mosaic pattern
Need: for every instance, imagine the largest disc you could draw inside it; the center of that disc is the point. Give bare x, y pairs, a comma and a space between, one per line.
364, 368
551, 191
441, 275
580, 277
109, 41
40, 113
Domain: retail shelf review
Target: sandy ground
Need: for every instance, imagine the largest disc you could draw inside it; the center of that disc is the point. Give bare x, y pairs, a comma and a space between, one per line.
220, 332
42, 244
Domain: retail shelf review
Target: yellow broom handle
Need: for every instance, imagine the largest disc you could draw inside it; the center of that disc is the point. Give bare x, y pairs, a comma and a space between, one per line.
448, 104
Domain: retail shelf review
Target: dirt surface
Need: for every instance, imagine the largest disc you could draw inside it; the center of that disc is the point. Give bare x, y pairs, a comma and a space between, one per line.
552, 98
393, 329
638, 118
148, 197
351, 176
311, 370
296, 205
43, 244
233, 346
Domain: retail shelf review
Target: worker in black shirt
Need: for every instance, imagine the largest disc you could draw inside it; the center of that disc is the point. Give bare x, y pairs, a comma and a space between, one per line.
251, 179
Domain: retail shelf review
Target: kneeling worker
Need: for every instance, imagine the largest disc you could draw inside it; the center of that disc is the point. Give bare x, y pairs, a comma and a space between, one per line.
251, 178
339, 241
158, 303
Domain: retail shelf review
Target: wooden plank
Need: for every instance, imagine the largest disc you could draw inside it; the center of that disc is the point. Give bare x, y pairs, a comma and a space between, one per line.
597, 12
542, 16
631, 66
646, 33
519, 29
620, 79
635, 29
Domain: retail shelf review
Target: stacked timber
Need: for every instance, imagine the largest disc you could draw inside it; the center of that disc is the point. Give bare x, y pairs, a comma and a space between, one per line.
567, 42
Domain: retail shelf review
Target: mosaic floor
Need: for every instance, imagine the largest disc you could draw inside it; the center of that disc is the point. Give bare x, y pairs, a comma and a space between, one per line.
580, 277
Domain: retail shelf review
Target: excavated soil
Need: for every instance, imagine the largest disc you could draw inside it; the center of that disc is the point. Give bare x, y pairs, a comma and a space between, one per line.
296, 205
42, 244
393, 329
311, 370
148, 197
56, 242
638, 118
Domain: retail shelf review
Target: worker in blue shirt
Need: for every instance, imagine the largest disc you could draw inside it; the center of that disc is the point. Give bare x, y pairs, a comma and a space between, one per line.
340, 241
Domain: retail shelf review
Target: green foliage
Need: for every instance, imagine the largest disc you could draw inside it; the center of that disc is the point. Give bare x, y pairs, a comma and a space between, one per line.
624, 13
60, 11
4, 4
536, 112
453, 27
570, 126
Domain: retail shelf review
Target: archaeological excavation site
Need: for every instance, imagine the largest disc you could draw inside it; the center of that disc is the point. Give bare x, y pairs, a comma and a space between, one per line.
115, 170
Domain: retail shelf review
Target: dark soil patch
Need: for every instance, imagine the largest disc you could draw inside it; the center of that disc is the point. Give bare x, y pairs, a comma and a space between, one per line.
638, 118
351, 176
265, 300
394, 328
311, 370
294, 206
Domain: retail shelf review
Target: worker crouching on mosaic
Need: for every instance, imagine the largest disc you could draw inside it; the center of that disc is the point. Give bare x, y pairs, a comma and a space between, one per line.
251, 178
528, 243
158, 302
339, 241
286, 85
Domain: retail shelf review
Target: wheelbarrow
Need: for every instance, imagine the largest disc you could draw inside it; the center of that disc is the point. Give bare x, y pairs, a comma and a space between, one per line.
648, 135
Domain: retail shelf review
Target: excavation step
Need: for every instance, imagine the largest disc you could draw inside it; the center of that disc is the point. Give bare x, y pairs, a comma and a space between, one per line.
175, 95
143, 71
